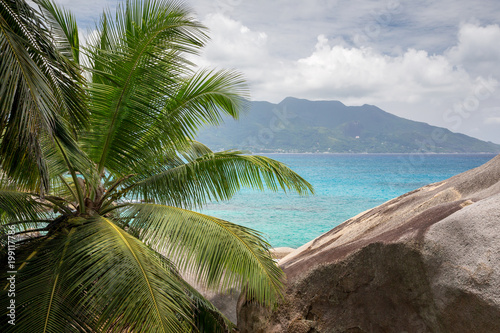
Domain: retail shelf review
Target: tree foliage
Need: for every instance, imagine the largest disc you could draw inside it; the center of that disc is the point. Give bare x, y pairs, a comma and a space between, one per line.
98, 174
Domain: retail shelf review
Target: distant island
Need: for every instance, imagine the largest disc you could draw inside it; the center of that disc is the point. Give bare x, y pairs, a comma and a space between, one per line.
303, 126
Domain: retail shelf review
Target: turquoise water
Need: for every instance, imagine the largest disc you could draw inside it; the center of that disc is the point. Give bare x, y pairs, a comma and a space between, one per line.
345, 184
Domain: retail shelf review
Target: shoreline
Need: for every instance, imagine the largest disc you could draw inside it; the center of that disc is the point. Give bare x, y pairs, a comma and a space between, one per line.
329, 153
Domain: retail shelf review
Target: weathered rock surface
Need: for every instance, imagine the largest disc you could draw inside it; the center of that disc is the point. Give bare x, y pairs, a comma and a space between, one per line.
279, 253
428, 261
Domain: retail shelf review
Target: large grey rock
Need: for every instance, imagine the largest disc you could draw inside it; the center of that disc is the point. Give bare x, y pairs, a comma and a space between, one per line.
428, 261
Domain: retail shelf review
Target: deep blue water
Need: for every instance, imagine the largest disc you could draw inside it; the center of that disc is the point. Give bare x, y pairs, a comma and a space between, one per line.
345, 185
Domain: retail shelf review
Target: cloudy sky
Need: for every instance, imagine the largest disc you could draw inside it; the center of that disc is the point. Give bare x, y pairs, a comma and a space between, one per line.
433, 61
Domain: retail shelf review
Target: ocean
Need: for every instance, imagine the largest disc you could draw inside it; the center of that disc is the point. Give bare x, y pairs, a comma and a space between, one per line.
345, 185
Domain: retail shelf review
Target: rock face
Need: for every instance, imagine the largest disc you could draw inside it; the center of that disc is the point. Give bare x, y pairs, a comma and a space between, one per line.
281, 252
428, 261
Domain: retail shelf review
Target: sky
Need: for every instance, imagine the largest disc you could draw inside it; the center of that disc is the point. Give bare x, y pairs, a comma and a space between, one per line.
431, 61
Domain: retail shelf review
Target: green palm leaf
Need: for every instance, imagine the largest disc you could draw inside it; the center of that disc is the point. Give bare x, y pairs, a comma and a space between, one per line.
63, 27
96, 277
214, 176
17, 206
41, 305
207, 318
41, 93
20, 213
138, 67
122, 281
220, 253
202, 99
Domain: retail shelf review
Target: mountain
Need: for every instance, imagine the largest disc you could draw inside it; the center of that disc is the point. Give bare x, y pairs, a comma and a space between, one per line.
298, 125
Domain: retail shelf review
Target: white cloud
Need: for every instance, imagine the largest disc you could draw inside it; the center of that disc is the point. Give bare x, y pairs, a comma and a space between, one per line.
331, 71
233, 44
478, 49
340, 72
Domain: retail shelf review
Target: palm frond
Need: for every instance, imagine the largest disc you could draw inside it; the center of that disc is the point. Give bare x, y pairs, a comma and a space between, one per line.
41, 305
207, 94
95, 277
63, 28
137, 65
200, 99
19, 206
221, 254
20, 214
41, 93
120, 280
215, 177
207, 318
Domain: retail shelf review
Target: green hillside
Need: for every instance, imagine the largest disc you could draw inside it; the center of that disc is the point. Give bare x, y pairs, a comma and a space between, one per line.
297, 125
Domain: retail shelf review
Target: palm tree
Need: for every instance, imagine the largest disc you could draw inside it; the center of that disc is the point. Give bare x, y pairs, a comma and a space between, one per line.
100, 248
